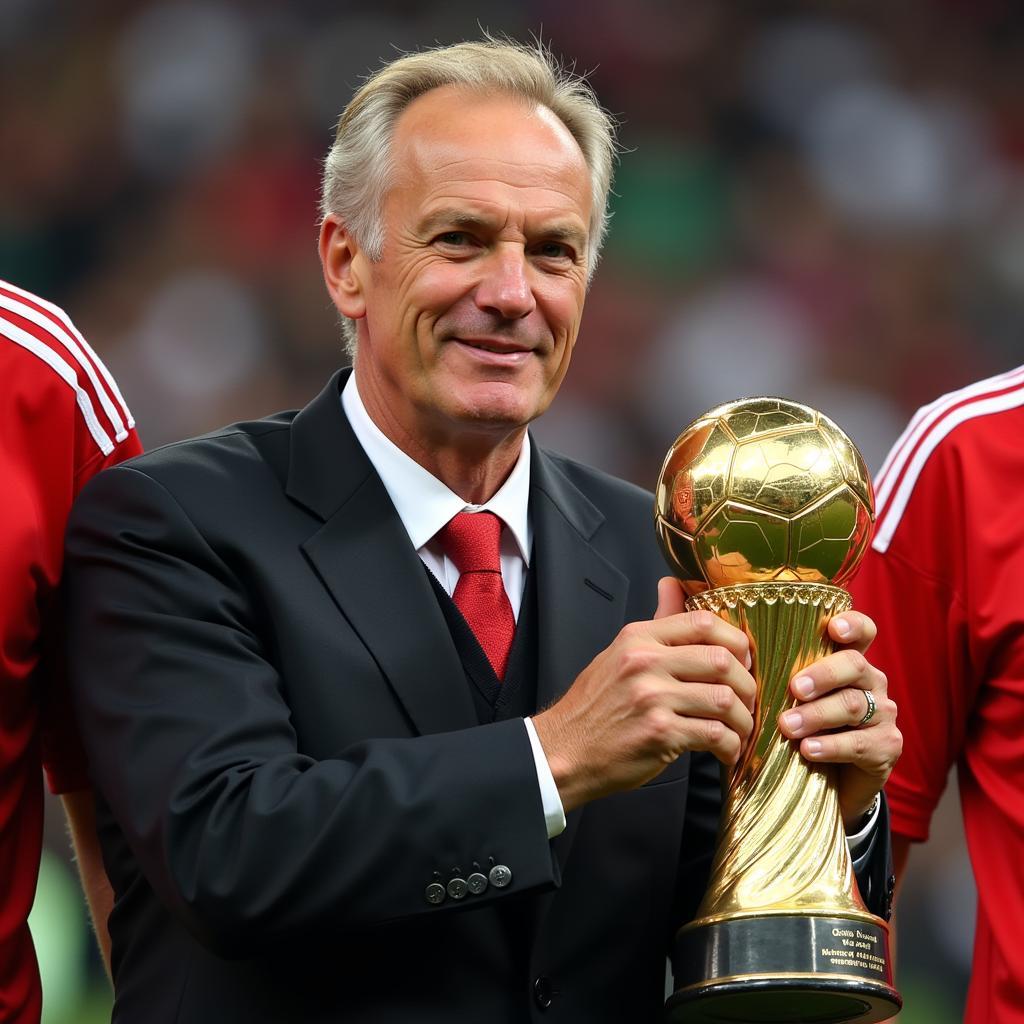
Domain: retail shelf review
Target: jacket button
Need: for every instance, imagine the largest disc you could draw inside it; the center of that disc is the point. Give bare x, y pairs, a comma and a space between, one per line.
476, 883
457, 888
499, 876
435, 893
542, 992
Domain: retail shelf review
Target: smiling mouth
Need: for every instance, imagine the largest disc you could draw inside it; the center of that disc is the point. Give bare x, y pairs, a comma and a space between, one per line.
494, 347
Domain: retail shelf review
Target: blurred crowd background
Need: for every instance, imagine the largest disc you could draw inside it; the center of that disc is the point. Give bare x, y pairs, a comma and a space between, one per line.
823, 200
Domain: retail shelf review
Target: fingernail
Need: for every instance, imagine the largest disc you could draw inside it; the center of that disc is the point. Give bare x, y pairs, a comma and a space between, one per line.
804, 686
842, 627
793, 721
750, 661
812, 748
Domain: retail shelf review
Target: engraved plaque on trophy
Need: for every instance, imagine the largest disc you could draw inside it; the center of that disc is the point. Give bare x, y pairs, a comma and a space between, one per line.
763, 510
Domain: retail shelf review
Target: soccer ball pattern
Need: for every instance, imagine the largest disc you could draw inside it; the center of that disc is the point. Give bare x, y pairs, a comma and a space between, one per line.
760, 490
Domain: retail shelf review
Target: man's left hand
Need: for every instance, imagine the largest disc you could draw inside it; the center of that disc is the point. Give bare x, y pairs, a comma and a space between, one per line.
829, 718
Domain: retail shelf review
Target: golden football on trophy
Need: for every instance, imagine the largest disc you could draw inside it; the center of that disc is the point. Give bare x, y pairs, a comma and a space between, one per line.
763, 489
763, 510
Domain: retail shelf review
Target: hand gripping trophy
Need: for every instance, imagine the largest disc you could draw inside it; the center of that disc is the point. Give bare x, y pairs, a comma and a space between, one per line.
763, 510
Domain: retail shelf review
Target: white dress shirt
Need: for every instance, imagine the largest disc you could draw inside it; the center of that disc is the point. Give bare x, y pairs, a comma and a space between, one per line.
425, 504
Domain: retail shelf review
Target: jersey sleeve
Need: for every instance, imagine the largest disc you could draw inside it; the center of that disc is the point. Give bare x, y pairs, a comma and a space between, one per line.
63, 755
910, 591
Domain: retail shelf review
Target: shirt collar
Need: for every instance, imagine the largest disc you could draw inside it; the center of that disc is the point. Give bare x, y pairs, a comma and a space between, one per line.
424, 503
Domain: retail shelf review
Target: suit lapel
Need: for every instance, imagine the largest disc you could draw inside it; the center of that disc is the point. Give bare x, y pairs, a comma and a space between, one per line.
363, 556
365, 559
581, 597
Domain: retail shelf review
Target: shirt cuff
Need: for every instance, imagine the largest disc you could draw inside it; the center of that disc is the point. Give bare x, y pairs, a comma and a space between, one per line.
554, 813
859, 839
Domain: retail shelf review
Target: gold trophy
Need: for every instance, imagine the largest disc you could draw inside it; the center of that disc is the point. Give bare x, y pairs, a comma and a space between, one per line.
764, 509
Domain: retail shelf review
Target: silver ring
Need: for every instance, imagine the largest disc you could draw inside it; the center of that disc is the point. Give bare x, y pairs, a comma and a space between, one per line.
870, 713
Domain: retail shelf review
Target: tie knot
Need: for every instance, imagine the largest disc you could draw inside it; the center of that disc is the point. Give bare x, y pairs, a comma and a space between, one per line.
471, 540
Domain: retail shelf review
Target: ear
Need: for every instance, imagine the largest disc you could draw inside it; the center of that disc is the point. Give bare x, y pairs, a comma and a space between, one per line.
342, 259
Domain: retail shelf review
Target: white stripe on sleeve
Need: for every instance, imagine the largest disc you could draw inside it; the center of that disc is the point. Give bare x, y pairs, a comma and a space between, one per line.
890, 518
73, 340
922, 422
64, 370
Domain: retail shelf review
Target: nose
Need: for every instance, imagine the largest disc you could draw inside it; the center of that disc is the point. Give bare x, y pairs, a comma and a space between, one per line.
505, 288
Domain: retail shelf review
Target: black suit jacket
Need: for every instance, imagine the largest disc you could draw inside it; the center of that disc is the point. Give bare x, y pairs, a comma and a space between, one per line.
287, 753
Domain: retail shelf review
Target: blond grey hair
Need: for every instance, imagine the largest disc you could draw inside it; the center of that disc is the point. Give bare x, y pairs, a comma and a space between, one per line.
358, 168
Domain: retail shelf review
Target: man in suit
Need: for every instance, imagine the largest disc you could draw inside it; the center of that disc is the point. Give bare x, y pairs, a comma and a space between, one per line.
311, 649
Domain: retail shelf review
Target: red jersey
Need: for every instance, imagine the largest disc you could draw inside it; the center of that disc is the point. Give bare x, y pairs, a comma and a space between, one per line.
62, 419
944, 581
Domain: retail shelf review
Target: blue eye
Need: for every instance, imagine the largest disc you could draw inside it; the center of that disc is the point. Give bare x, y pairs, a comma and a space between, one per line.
453, 238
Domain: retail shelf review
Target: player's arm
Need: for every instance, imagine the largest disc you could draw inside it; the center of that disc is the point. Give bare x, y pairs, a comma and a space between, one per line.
80, 810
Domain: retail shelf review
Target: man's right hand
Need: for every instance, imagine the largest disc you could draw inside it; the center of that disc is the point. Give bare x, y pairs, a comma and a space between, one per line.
679, 682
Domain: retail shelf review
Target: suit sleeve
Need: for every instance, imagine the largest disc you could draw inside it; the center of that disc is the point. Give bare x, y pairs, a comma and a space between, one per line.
873, 867
188, 731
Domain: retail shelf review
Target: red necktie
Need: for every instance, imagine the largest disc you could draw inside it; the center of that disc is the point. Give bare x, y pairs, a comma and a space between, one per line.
471, 541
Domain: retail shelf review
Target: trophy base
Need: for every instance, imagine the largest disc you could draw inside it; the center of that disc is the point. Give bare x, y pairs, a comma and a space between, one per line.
782, 1001
784, 969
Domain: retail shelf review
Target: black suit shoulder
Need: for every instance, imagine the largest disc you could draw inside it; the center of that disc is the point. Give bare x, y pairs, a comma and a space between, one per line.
225, 455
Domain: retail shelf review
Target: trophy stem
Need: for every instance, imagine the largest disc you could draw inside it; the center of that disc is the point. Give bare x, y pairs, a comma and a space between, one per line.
782, 933
782, 843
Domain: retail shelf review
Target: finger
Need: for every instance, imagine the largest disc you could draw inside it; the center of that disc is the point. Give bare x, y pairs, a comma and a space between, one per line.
714, 701
705, 663
844, 709
671, 597
699, 627
651, 666
714, 736
853, 629
873, 751
693, 705
693, 716
847, 667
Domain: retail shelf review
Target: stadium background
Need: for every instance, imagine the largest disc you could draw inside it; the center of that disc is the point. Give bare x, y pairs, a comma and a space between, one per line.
821, 199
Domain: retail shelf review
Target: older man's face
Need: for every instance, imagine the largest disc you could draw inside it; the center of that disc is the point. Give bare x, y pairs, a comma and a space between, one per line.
474, 307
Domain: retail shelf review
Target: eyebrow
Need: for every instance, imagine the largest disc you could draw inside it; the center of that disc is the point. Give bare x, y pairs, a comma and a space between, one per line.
461, 219
452, 217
